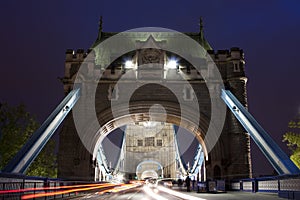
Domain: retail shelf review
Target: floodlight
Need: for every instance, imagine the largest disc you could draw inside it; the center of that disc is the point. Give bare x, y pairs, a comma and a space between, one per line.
128, 64
172, 64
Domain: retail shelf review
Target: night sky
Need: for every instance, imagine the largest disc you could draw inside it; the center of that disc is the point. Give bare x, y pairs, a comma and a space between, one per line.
35, 35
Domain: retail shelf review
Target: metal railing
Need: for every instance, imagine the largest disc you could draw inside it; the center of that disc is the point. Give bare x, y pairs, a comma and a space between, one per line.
14, 186
287, 186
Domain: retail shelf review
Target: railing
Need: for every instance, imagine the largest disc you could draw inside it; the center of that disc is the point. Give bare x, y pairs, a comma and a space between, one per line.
19, 189
23, 187
287, 186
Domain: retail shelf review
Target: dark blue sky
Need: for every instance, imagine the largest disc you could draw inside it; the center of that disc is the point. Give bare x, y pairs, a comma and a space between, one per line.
35, 34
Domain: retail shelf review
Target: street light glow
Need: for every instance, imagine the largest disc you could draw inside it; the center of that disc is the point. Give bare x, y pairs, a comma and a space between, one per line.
172, 64
128, 64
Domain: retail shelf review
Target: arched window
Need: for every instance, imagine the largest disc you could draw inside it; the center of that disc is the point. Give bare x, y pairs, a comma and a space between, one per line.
113, 92
188, 93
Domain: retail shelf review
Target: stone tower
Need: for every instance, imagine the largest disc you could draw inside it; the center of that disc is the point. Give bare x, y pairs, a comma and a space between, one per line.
230, 158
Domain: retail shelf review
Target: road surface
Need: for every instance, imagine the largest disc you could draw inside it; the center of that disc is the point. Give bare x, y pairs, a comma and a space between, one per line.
160, 193
139, 193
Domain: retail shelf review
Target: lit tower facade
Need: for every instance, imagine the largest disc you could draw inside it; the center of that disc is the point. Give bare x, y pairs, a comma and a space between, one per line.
150, 151
230, 157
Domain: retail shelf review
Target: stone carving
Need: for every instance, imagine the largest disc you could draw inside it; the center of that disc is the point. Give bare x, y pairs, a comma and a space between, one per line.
151, 56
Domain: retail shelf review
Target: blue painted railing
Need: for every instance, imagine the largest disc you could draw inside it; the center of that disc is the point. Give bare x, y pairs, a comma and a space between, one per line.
287, 186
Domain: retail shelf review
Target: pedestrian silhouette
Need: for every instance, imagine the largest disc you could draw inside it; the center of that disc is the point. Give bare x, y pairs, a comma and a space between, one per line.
188, 184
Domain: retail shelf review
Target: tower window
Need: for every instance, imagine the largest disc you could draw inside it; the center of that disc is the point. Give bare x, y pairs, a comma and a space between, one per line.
188, 93
188, 69
74, 69
113, 92
140, 143
149, 141
159, 143
236, 67
112, 70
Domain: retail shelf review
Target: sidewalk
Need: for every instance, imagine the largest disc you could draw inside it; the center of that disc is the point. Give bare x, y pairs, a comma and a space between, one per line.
230, 195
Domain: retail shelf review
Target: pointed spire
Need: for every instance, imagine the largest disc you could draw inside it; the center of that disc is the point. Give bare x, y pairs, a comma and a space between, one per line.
202, 41
100, 28
201, 28
100, 23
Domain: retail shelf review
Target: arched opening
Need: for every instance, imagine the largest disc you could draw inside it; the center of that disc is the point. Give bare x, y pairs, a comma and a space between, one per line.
148, 174
173, 163
139, 113
149, 169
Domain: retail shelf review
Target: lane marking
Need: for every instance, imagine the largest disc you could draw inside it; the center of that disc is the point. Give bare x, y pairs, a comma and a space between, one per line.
133, 194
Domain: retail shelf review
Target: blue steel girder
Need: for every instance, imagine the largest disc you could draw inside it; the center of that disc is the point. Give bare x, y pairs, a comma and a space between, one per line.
121, 155
198, 160
278, 159
102, 161
178, 157
40, 137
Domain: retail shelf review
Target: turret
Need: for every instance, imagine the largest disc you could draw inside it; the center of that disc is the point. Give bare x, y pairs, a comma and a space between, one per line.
72, 64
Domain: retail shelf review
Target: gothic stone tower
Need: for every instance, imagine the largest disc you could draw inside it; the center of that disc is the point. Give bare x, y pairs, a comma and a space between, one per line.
150, 146
230, 158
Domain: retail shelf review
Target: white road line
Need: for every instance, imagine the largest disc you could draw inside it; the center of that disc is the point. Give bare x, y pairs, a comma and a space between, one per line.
133, 194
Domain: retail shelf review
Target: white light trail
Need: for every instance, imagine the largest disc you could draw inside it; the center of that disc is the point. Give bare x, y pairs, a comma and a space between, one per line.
178, 194
152, 194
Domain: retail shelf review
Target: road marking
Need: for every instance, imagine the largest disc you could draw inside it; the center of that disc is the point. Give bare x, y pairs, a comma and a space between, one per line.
133, 194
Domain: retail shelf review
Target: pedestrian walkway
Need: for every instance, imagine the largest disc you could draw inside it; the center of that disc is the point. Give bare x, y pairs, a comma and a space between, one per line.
231, 195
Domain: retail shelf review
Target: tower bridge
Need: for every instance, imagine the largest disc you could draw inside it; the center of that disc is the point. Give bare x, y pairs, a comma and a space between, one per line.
149, 74
147, 85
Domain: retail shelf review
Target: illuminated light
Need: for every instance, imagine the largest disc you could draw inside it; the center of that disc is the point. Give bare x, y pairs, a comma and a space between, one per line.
172, 64
120, 188
128, 64
138, 182
104, 191
149, 124
178, 194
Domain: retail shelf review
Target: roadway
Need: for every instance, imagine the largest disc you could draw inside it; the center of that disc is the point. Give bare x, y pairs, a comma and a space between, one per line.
140, 193
161, 193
